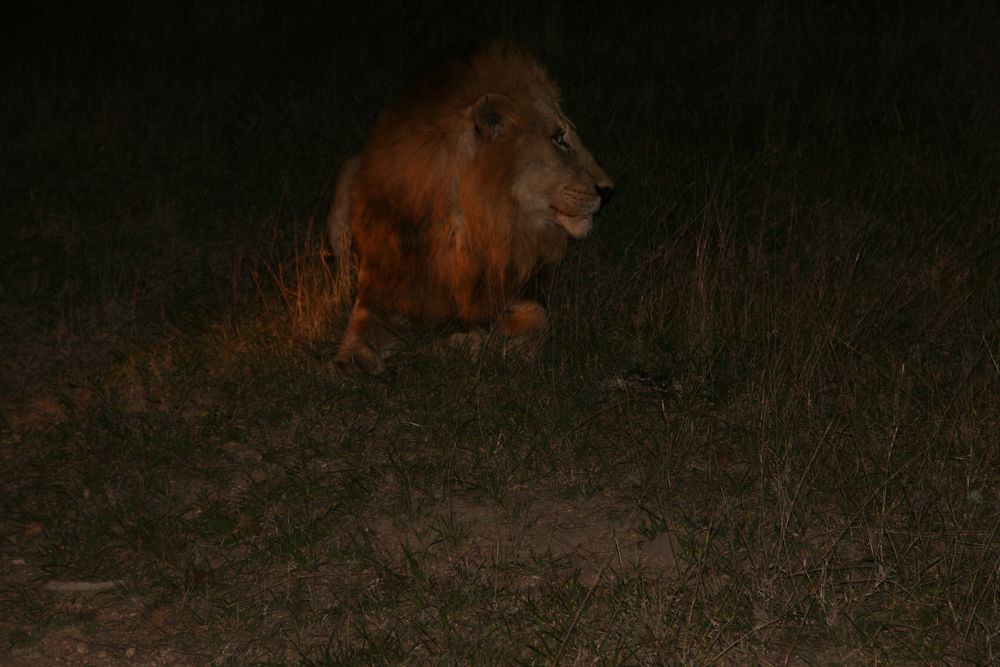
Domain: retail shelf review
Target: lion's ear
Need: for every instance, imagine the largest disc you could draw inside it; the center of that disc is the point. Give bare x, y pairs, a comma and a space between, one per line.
489, 115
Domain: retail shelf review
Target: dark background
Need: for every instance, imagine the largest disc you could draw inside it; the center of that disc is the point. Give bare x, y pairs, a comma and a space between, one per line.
657, 73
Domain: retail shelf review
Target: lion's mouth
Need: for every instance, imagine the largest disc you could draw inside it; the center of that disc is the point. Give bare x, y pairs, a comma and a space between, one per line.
577, 226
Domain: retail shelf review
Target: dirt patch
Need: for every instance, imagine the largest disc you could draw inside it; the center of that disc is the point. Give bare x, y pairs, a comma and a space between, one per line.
589, 535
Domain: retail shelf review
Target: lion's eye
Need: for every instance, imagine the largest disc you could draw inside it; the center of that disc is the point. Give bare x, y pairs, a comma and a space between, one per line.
559, 139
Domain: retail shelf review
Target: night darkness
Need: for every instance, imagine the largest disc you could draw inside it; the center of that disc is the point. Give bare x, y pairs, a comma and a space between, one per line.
762, 429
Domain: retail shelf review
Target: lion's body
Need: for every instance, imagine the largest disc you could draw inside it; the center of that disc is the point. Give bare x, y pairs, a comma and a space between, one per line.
460, 202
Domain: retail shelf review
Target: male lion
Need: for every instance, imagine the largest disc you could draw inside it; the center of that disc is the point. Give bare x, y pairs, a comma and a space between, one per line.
461, 203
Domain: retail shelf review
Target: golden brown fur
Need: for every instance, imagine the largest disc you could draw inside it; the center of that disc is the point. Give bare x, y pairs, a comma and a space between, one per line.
461, 203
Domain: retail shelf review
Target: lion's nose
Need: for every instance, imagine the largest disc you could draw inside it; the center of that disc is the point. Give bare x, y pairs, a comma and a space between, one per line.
604, 192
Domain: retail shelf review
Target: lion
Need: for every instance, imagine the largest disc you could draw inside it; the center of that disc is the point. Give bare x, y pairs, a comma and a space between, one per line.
460, 206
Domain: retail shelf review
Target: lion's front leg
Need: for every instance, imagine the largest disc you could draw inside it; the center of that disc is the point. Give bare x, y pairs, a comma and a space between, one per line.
524, 326
369, 338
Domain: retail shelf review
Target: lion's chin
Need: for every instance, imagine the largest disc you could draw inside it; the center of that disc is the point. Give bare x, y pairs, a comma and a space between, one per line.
577, 226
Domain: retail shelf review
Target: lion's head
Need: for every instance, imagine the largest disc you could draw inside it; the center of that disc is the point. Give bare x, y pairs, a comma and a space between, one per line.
553, 178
